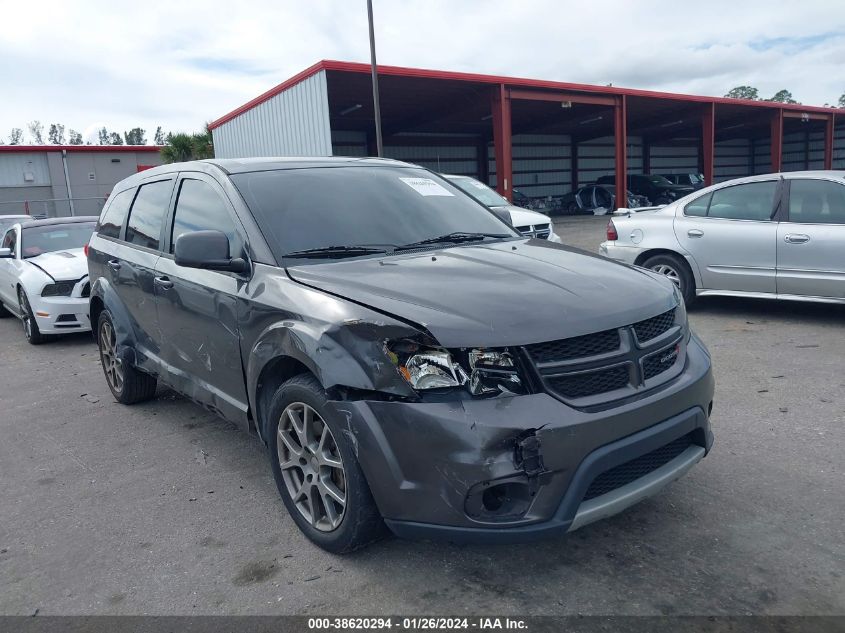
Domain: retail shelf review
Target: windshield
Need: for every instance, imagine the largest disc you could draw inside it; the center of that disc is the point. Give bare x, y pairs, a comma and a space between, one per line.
366, 207
36, 240
478, 190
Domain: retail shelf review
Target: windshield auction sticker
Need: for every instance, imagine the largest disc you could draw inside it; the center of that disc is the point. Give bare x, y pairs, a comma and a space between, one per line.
426, 187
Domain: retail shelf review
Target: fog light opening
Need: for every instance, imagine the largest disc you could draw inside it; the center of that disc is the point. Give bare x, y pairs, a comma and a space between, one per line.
506, 499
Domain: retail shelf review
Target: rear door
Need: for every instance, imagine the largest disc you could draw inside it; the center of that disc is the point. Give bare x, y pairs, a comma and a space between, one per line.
197, 309
732, 236
132, 264
811, 240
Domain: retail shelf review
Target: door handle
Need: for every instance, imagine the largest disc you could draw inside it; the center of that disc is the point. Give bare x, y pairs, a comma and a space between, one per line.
163, 282
796, 238
695, 233
114, 265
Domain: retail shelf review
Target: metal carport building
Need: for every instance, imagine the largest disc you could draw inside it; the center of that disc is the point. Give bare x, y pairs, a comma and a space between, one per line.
543, 137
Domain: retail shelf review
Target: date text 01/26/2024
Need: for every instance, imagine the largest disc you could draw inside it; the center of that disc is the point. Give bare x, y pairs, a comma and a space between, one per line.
416, 623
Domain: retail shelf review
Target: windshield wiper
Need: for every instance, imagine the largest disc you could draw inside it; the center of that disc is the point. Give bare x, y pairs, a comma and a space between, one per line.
456, 237
331, 252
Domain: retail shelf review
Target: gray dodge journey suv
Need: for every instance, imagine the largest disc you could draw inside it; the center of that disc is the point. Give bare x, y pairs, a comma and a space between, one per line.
409, 360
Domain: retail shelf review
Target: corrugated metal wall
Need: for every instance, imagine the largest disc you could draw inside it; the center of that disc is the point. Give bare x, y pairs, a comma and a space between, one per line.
16, 168
294, 122
731, 159
597, 158
677, 157
542, 164
839, 148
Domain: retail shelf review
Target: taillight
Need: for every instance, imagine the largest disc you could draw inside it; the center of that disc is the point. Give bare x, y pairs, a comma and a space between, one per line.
85, 250
612, 235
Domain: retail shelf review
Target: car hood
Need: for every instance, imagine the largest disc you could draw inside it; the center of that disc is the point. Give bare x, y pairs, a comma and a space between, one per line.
524, 217
62, 265
679, 189
505, 293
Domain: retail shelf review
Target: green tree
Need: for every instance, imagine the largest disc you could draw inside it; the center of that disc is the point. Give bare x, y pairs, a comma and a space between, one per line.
181, 147
160, 138
842, 100
103, 135
135, 136
74, 137
36, 131
744, 92
115, 139
783, 96
15, 136
56, 135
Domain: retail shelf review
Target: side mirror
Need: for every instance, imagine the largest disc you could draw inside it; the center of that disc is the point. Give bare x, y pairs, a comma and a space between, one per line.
6, 253
208, 250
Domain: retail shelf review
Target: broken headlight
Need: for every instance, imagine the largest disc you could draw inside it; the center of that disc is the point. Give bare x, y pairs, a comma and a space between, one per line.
482, 371
493, 371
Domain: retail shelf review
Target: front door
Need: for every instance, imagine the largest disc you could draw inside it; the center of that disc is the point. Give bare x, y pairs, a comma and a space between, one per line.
198, 309
811, 240
732, 236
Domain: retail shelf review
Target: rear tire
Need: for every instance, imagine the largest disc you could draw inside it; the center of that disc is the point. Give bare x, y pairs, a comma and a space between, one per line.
127, 384
320, 469
30, 326
678, 272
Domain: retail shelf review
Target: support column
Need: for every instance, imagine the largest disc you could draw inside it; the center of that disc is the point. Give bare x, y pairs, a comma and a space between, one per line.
620, 134
483, 158
828, 141
708, 142
502, 141
777, 140
573, 164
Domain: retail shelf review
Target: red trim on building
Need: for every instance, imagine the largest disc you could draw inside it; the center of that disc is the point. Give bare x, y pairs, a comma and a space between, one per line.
80, 148
357, 67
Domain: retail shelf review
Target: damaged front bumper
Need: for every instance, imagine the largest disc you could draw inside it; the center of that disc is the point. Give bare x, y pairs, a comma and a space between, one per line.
525, 467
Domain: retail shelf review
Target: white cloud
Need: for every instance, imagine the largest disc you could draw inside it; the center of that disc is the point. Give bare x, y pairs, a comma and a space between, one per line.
179, 64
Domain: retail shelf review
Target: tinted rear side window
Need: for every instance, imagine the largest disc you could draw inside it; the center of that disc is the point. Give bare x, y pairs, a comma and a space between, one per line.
200, 208
698, 207
115, 213
816, 202
751, 201
144, 228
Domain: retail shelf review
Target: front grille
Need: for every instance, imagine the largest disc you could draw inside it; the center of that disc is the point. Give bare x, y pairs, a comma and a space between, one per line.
86, 289
65, 318
624, 474
591, 383
541, 231
656, 364
576, 347
655, 326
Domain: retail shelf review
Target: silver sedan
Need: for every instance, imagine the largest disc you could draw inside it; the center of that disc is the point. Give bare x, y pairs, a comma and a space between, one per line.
778, 236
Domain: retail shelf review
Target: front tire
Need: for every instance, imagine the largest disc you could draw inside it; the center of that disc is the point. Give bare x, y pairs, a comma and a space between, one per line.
677, 271
127, 384
317, 471
30, 326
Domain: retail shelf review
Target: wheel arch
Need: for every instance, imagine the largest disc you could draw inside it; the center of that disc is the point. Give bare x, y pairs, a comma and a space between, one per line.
647, 254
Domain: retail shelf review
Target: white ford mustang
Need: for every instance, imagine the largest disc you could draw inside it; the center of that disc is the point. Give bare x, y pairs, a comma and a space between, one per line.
44, 275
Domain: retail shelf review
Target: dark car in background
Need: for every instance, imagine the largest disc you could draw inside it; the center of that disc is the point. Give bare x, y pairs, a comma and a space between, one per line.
408, 359
694, 180
585, 200
656, 188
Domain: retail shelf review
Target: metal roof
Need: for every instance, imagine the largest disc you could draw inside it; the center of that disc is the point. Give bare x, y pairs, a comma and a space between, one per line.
511, 82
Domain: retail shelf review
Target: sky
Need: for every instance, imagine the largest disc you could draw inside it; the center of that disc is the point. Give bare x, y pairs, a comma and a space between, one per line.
177, 64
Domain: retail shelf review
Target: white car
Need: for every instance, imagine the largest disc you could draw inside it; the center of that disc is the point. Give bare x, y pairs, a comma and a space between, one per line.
774, 236
529, 223
44, 275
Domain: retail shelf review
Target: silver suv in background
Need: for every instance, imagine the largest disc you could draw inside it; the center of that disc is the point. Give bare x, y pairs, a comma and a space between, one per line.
779, 236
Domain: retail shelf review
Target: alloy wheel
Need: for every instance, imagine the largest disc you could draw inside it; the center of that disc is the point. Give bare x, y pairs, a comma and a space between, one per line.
27, 315
112, 364
669, 272
311, 466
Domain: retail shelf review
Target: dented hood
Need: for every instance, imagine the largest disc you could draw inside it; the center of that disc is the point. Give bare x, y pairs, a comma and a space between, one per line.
70, 264
505, 293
